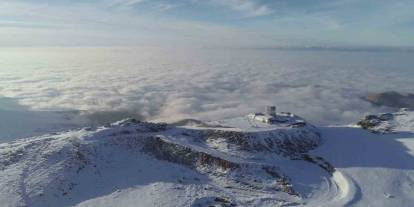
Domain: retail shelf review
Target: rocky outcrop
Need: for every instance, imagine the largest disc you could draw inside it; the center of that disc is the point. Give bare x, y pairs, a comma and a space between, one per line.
165, 150
401, 121
140, 126
328, 167
288, 143
248, 175
213, 201
377, 124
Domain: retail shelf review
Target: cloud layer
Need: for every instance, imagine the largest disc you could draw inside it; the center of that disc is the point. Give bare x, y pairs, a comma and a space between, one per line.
170, 84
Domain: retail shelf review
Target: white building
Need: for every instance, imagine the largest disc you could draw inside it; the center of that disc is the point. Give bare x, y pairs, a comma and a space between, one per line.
269, 118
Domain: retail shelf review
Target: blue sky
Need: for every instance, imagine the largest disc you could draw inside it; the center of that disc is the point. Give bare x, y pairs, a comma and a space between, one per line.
207, 23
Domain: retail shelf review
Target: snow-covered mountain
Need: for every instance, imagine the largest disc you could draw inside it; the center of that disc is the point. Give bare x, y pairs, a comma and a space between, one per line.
235, 162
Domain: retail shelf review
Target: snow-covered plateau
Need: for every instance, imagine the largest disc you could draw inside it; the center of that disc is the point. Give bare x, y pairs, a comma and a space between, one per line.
234, 162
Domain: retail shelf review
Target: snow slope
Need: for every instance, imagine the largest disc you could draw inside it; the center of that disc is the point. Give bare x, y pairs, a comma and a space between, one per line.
17, 121
236, 162
378, 167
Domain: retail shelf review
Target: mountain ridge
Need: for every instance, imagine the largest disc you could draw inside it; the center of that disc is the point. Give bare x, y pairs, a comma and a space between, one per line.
236, 162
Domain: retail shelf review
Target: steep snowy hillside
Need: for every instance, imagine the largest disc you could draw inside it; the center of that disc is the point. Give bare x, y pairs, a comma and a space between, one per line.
133, 162
19, 124
236, 162
17, 121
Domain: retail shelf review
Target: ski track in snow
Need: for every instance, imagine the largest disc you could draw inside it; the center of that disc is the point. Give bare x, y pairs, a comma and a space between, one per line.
371, 168
340, 190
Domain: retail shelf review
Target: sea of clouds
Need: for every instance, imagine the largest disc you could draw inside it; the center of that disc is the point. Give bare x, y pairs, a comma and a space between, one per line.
208, 84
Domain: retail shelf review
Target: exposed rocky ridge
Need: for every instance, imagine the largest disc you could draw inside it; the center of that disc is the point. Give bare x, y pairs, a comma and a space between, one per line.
286, 142
227, 157
377, 124
216, 167
388, 122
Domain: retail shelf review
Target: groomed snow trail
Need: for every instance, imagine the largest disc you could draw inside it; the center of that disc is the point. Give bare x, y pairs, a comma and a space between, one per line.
337, 190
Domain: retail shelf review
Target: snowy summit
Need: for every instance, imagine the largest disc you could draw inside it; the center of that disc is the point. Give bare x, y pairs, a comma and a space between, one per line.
235, 162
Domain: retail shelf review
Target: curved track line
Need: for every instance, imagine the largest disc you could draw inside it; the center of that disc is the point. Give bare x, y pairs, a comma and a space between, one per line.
341, 191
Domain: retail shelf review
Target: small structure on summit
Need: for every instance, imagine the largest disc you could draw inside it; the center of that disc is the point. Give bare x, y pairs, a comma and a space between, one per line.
269, 117
271, 111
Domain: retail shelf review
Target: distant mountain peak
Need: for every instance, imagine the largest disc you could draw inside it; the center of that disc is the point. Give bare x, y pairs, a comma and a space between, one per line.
391, 99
